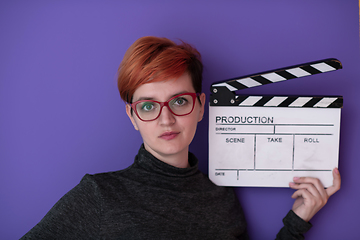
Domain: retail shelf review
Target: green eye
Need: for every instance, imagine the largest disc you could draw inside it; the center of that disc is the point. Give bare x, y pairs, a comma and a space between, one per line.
180, 101
147, 106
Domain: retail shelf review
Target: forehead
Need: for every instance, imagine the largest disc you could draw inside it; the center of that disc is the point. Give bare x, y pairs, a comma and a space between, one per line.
163, 90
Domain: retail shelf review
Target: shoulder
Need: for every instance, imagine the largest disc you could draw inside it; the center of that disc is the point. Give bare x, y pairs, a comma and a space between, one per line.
104, 181
105, 176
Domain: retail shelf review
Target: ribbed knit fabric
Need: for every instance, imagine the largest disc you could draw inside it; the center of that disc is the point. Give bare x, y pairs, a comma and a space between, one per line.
150, 200
294, 227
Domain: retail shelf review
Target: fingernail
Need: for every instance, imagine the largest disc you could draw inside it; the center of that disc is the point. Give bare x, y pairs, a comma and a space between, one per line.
291, 183
336, 170
296, 178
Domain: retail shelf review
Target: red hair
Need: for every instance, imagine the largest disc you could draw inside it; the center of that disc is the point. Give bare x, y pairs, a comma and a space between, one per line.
153, 59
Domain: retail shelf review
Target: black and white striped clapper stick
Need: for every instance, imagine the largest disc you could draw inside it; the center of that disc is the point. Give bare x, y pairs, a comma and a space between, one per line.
223, 92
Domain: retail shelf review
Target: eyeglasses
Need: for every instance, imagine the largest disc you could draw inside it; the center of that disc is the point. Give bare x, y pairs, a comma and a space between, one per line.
179, 105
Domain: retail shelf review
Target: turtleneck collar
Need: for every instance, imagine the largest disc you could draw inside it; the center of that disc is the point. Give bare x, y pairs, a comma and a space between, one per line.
148, 162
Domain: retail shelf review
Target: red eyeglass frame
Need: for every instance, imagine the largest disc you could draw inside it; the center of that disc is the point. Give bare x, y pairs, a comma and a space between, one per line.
162, 104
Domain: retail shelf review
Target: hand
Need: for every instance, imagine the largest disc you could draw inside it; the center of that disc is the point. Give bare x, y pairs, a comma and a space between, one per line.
311, 195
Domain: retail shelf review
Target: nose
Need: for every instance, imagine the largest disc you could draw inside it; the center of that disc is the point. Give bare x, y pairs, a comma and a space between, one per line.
166, 117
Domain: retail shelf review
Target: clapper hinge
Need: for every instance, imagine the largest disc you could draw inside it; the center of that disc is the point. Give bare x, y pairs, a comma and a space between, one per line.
221, 96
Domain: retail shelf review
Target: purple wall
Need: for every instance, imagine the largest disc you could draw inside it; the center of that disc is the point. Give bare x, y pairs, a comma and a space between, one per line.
61, 115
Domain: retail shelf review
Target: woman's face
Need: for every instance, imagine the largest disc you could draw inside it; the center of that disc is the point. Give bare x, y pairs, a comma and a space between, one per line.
168, 136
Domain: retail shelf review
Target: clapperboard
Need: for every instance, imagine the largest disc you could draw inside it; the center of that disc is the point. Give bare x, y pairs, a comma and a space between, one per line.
267, 140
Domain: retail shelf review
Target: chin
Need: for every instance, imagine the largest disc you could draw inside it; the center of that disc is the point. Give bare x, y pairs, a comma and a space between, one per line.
170, 149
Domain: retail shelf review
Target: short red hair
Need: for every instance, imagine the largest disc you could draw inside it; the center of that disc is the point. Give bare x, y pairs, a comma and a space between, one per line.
153, 59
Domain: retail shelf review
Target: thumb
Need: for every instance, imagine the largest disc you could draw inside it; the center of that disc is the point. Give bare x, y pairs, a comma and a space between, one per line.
336, 183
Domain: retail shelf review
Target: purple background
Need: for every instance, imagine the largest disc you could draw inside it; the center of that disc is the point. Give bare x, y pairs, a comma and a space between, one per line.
61, 115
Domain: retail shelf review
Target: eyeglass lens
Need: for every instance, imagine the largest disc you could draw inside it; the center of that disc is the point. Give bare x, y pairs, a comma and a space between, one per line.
181, 105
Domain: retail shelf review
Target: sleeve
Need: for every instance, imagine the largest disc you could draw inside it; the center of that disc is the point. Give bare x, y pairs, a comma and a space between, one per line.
294, 227
75, 216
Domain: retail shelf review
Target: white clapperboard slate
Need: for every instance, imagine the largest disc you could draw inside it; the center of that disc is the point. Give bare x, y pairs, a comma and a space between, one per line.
267, 140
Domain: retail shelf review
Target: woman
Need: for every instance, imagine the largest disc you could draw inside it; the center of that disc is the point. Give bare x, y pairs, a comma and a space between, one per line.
163, 195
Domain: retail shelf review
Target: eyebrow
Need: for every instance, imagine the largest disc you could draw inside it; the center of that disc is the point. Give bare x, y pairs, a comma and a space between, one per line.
151, 98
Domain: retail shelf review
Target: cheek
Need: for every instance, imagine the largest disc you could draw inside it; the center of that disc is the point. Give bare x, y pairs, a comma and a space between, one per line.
144, 130
191, 124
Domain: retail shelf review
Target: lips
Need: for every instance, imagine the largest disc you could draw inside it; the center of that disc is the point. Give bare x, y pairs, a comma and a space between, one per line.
169, 135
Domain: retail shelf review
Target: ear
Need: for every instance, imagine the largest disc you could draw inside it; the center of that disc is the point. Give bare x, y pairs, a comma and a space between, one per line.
202, 98
128, 112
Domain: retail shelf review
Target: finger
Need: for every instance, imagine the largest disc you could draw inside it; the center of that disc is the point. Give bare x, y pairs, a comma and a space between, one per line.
304, 193
310, 188
313, 181
336, 183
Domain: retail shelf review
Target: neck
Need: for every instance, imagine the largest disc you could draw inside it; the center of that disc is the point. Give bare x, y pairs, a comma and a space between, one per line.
179, 160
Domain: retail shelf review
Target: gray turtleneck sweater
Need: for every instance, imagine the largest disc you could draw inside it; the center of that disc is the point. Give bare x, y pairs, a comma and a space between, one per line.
151, 200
